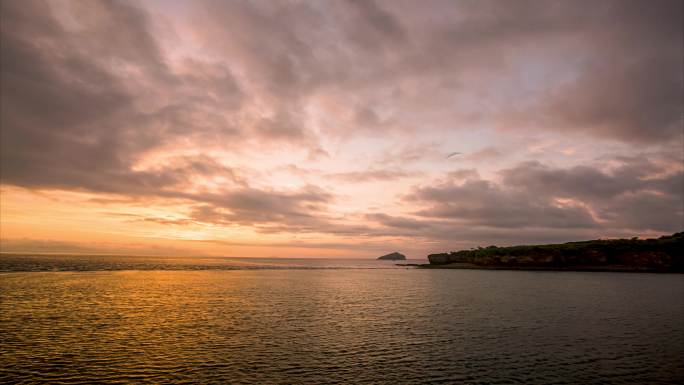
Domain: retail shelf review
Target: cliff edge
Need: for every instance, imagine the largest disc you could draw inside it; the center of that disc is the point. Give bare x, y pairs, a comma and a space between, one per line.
664, 254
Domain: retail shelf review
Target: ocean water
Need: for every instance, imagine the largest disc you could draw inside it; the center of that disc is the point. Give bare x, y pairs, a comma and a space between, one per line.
65, 262
326, 322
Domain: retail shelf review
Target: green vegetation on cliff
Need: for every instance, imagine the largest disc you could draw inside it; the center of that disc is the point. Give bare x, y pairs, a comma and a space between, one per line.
662, 254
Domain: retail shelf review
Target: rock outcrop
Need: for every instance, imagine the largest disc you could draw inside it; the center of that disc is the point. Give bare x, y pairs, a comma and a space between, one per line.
393, 257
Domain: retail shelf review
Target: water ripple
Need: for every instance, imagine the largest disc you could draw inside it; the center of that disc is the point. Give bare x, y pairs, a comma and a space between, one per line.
341, 326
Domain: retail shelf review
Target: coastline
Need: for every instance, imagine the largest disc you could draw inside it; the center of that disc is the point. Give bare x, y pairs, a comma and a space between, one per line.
659, 255
611, 269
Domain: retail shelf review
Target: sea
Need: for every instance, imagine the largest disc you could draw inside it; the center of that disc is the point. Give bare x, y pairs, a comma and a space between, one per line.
72, 319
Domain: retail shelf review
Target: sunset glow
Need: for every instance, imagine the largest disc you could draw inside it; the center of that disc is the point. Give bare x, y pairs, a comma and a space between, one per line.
322, 129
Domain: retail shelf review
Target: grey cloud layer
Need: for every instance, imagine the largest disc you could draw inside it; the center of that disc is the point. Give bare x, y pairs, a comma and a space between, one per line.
621, 61
81, 104
636, 196
84, 99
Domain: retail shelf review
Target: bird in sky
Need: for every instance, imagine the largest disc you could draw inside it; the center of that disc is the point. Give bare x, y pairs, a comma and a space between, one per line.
453, 154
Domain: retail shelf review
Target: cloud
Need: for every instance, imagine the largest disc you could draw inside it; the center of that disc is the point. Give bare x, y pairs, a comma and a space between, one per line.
398, 222
484, 203
289, 211
464, 173
374, 175
365, 52
80, 103
162, 220
97, 92
209, 111
584, 182
636, 195
630, 87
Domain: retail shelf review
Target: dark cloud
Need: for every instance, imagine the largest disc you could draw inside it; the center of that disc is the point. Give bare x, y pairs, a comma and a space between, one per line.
398, 222
484, 203
80, 103
57, 105
631, 85
626, 82
645, 210
304, 209
593, 184
583, 182
637, 195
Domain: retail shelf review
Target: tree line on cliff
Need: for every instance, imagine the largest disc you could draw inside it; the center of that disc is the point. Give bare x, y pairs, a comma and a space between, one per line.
664, 253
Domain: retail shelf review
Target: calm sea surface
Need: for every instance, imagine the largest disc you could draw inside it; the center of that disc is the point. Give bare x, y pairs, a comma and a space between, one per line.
155, 320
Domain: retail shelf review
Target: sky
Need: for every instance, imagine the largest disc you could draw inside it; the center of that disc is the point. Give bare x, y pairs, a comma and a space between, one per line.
323, 128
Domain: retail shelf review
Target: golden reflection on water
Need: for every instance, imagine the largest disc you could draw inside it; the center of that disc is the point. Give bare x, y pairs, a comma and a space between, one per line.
325, 326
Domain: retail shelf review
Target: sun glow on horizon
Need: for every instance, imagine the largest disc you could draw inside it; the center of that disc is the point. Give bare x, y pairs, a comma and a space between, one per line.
303, 129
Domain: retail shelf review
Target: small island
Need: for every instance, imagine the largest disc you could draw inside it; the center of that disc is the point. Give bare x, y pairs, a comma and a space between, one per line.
664, 254
396, 256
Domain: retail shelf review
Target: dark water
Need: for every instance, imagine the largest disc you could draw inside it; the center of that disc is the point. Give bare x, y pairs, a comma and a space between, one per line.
341, 326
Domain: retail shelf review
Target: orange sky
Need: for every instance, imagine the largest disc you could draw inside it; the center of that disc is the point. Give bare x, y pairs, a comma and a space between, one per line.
310, 129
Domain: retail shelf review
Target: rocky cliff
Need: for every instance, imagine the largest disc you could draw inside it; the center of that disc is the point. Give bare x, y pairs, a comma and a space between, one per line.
661, 254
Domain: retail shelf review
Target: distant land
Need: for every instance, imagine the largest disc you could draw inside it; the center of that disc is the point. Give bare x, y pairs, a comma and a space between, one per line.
664, 254
393, 257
